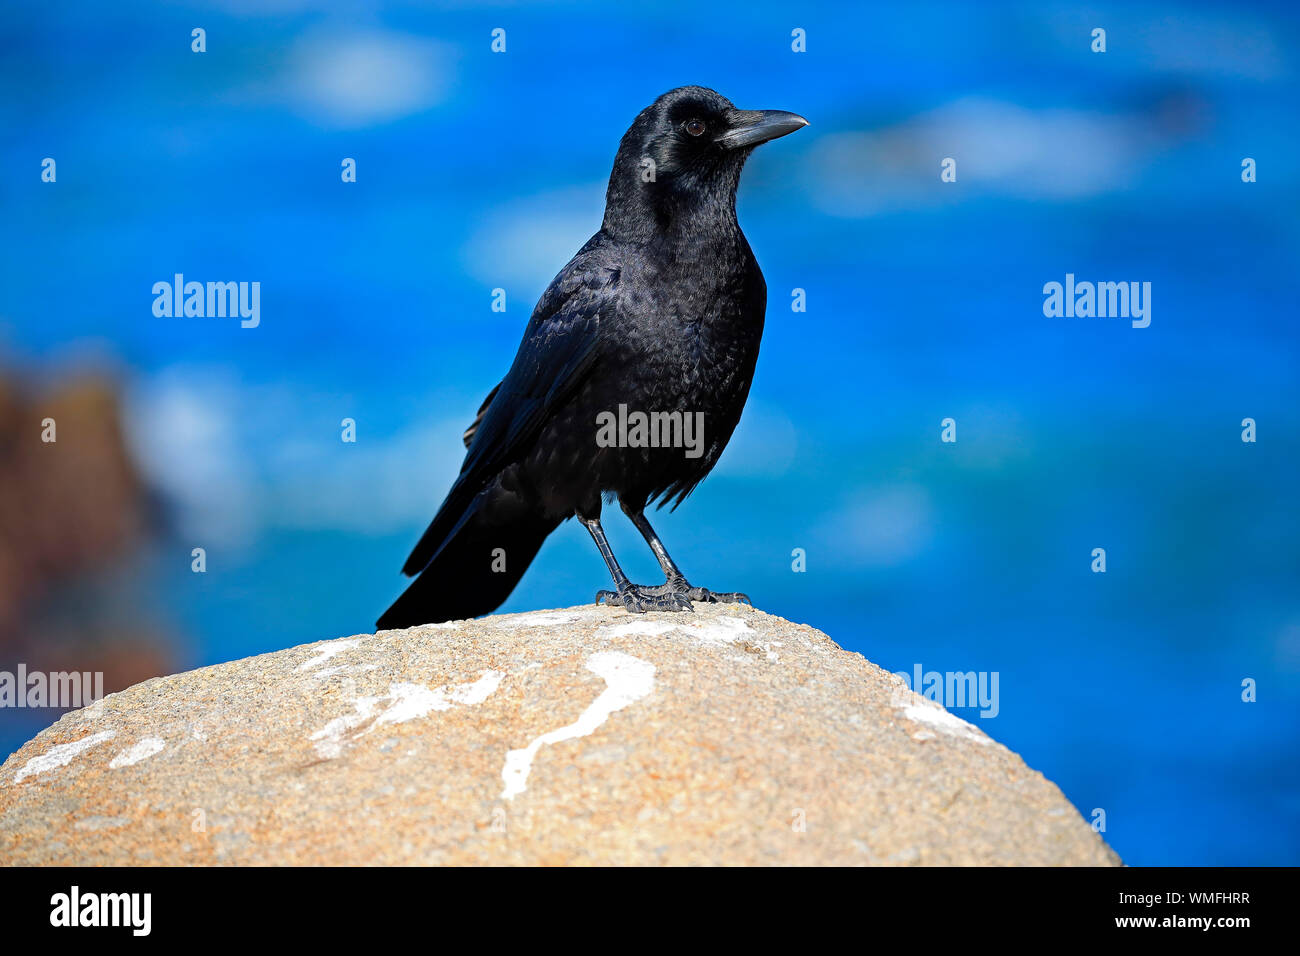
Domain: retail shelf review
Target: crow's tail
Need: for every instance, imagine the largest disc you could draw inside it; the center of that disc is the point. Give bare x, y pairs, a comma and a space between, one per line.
473, 572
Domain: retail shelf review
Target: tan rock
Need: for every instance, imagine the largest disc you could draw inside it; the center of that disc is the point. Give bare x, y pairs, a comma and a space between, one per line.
585, 735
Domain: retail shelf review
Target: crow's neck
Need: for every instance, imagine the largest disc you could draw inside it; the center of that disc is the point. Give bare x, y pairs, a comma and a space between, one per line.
684, 215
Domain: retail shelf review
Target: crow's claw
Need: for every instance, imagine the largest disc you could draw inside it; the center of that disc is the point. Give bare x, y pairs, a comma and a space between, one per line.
683, 587
705, 596
638, 599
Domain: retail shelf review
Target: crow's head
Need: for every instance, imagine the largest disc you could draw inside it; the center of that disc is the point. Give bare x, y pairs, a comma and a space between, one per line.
682, 157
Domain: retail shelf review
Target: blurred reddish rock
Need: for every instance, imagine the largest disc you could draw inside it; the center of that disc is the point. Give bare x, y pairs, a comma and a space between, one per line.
72, 510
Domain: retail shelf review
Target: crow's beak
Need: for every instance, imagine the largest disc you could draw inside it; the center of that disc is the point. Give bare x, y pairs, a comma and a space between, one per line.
751, 127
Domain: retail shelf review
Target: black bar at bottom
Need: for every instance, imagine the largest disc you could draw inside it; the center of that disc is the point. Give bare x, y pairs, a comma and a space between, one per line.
220, 905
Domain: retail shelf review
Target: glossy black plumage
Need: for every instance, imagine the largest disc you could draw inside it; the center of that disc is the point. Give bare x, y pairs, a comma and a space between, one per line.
662, 311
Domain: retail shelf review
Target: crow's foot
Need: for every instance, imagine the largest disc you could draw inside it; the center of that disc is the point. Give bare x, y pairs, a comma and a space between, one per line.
638, 598
705, 596
701, 595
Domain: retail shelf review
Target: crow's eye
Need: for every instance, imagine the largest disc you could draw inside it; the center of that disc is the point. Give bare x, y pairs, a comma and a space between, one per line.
695, 127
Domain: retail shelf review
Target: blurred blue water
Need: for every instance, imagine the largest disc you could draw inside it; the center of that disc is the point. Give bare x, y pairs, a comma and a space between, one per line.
478, 171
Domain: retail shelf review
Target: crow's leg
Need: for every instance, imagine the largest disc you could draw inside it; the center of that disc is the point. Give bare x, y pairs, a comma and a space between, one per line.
634, 597
676, 582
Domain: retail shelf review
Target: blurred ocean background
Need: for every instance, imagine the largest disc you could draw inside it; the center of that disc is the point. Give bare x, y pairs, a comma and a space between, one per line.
924, 301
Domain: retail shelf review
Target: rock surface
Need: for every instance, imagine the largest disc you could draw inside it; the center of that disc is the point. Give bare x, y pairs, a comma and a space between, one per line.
572, 736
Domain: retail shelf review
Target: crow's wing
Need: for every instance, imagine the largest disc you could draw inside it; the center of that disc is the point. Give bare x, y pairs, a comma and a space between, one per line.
468, 437
559, 349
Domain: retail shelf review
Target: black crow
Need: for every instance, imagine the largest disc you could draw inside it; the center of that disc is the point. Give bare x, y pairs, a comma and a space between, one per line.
631, 376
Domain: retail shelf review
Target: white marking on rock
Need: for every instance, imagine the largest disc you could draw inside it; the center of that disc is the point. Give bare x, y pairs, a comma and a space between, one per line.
403, 702
648, 628
932, 715
410, 701
329, 739
547, 619
627, 679
59, 756
329, 650
101, 823
724, 630
145, 749
477, 692
345, 668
